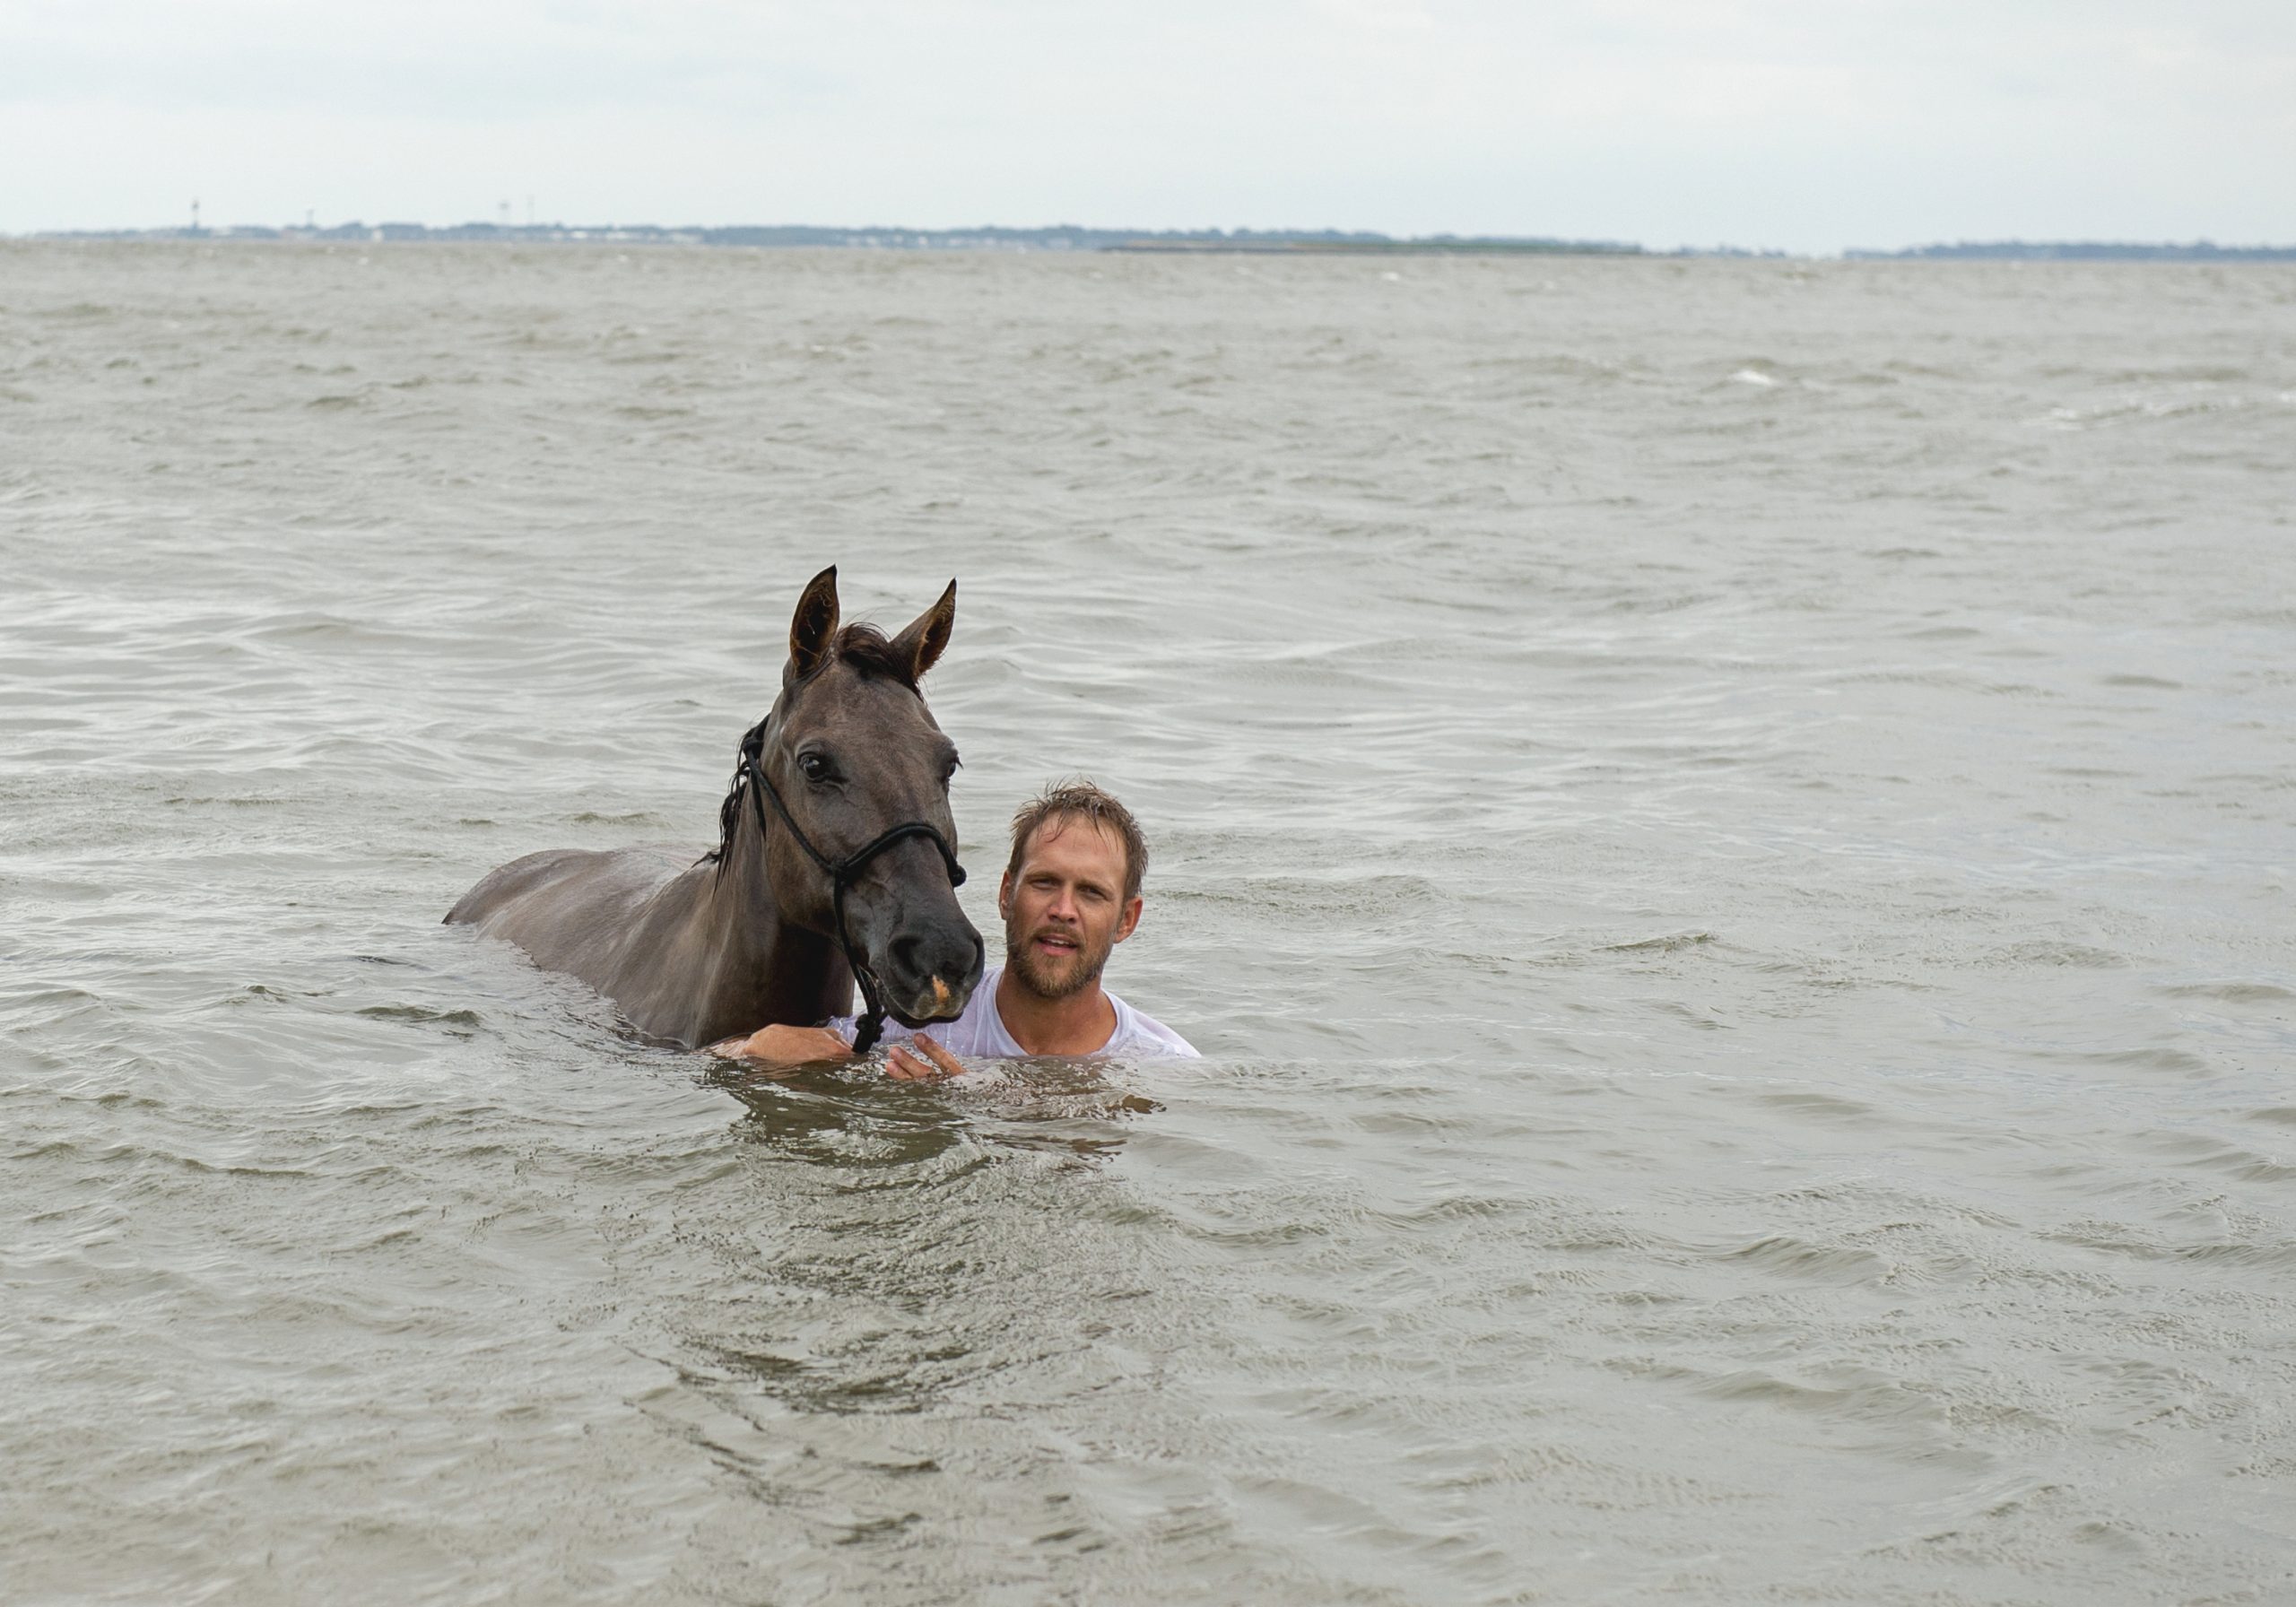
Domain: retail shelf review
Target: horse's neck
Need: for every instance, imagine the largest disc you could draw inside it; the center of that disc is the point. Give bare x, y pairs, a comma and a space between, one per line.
759, 968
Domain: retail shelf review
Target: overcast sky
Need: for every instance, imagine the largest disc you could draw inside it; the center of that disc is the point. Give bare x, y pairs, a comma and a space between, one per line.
1807, 125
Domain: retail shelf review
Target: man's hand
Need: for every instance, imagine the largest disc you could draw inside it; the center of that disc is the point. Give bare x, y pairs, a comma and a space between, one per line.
920, 1060
903, 1063
785, 1045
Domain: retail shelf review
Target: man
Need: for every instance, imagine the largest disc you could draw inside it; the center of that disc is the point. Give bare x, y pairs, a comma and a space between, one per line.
1070, 893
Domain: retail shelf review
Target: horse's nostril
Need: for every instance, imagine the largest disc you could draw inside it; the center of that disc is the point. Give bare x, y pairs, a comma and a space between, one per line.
905, 956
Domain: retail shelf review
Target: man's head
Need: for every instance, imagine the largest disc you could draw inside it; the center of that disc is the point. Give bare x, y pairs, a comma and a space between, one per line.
1071, 891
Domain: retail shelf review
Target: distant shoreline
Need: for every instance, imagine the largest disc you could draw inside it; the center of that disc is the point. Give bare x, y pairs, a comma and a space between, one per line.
1407, 247
1212, 242
2077, 251
1058, 238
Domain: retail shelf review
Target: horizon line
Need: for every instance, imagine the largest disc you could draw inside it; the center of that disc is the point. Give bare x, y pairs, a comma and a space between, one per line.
1098, 238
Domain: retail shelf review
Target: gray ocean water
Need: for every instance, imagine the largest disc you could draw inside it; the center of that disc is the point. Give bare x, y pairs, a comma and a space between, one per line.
1726, 828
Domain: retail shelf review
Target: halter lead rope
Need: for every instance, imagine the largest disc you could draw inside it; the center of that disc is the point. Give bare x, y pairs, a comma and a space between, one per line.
841, 873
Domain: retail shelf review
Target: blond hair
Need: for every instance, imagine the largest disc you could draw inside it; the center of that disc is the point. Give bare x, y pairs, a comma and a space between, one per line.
1079, 799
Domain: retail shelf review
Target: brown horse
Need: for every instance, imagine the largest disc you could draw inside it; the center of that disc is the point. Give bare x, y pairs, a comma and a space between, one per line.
851, 872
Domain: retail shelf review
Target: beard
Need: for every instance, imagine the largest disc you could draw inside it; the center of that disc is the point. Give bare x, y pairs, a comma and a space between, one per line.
1054, 976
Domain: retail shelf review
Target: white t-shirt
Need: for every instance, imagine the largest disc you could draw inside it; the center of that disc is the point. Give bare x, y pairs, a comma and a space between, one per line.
979, 1032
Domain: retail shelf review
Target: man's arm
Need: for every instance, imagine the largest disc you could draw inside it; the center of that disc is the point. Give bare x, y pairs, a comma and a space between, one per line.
920, 1060
785, 1045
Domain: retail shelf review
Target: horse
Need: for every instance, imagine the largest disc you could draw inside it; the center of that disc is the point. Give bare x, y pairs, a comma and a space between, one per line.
857, 883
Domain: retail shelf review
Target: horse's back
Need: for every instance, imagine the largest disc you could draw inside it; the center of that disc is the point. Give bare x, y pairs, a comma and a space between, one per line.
572, 910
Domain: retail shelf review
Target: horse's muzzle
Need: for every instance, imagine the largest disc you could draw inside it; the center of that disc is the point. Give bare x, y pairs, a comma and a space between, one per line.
929, 976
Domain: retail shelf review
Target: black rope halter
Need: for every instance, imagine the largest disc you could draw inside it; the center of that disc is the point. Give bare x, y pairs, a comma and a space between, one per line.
842, 872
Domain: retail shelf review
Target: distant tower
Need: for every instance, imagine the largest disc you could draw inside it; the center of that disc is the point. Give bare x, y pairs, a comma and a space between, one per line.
194, 215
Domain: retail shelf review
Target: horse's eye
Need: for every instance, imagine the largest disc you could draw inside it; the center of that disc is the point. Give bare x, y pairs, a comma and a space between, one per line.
813, 766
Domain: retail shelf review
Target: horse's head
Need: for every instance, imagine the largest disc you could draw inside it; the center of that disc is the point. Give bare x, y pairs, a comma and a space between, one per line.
854, 755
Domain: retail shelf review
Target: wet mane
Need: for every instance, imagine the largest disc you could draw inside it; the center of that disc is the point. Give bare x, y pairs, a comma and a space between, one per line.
873, 656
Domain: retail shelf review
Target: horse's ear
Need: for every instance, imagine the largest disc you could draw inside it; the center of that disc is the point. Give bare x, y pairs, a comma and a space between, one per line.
812, 629
927, 634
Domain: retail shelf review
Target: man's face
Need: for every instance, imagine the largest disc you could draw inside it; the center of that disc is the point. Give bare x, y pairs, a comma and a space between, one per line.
1065, 908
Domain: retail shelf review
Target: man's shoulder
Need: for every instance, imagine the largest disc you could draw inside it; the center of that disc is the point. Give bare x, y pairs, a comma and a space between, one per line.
1139, 1033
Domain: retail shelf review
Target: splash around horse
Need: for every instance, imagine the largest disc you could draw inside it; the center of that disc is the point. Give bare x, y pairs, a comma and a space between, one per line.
836, 862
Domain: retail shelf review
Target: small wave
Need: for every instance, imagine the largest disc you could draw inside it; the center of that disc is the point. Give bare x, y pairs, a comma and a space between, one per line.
2232, 993
1799, 1258
421, 1015
2198, 399
1826, 1107
1664, 943
2055, 953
